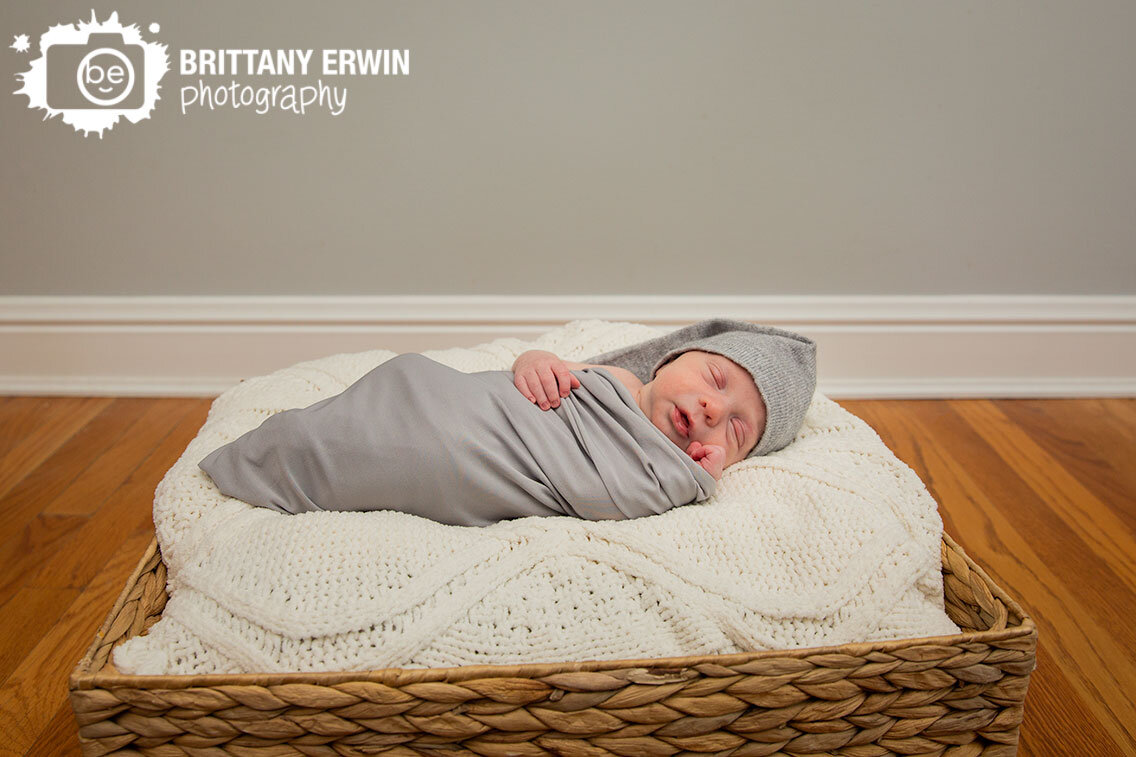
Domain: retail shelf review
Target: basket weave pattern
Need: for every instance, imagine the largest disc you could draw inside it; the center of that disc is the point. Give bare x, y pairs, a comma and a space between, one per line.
955, 696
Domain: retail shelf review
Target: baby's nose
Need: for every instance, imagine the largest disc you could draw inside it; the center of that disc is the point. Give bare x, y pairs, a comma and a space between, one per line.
712, 408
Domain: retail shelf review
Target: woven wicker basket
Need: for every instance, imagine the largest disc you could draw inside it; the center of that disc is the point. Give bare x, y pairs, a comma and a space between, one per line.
955, 696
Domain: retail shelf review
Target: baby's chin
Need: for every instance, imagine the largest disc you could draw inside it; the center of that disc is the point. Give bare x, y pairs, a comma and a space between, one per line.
660, 419
664, 425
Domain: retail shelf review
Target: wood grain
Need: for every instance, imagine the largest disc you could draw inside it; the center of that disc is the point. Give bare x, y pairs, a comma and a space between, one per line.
1041, 493
39, 486
987, 480
34, 436
1094, 439
66, 564
107, 472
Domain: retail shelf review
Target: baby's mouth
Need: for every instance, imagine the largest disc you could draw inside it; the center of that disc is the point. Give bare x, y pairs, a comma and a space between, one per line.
681, 422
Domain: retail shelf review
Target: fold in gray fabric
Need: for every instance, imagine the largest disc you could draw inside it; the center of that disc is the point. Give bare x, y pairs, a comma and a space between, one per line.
461, 448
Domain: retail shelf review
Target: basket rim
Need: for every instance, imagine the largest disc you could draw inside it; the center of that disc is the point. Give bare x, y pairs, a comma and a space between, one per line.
82, 678
82, 668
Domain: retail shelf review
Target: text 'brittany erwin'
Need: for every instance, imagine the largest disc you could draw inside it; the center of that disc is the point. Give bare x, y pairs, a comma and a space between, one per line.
334, 62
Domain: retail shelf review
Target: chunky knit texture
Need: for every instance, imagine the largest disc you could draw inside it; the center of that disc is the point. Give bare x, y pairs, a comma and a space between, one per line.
829, 540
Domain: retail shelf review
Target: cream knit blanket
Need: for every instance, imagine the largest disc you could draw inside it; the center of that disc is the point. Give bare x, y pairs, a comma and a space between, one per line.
830, 540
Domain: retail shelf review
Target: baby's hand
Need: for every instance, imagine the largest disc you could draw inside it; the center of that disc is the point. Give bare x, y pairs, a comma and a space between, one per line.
543, 378
712, 457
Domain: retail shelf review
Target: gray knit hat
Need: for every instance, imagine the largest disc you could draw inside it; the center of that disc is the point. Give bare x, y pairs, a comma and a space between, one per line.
782, 364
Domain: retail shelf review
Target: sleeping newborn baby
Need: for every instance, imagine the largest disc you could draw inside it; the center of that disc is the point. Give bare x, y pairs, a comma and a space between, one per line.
705, 403
629, 433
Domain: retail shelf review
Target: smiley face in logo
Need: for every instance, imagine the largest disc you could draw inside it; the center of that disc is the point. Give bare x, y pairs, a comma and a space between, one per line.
105, 76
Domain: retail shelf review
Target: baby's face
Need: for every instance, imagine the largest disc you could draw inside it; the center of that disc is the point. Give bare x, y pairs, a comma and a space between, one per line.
701, 396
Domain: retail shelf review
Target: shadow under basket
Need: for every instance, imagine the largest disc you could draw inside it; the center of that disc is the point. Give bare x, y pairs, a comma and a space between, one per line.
956, 696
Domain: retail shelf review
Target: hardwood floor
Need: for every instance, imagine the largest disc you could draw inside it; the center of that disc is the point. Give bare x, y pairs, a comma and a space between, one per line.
1042, 493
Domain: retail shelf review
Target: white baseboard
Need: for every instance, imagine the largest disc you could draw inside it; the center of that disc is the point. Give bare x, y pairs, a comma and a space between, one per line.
868, 346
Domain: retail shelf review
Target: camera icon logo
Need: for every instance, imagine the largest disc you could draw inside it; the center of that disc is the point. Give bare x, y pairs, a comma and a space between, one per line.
95, 73
104, 73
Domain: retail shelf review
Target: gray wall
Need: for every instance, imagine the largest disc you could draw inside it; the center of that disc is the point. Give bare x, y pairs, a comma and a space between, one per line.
606, 148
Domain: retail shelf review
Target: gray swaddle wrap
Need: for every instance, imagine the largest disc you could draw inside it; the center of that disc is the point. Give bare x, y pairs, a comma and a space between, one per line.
467, 449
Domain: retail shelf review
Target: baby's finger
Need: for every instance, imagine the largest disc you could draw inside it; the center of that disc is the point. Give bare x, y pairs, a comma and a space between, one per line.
537, 389
523, 385
564, 379
551, 390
